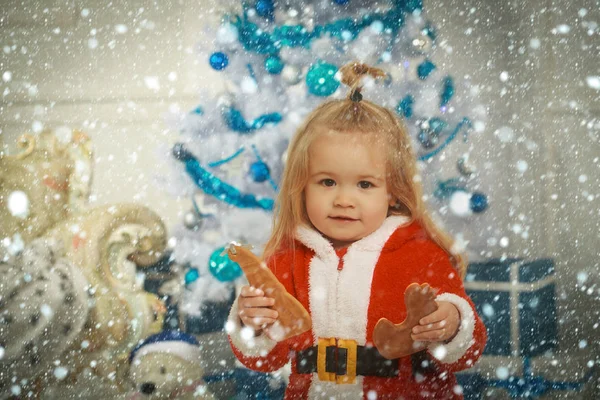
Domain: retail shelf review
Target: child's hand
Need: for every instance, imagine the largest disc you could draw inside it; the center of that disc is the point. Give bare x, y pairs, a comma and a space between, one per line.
439, 326
255, 309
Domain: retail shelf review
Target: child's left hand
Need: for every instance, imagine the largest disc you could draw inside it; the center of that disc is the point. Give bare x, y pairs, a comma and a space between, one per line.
439, 326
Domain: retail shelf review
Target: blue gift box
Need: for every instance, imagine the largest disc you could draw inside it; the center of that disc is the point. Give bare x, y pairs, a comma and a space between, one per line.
516, 301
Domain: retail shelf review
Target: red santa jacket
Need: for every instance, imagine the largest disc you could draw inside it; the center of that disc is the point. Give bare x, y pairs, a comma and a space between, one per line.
347, 297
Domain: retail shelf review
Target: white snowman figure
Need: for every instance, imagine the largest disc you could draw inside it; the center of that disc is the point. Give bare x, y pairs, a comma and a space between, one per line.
168, 365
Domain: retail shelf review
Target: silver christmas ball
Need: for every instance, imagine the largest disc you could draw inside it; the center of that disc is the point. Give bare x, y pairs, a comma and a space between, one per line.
291, 74
422, 43
192, 221
465, 167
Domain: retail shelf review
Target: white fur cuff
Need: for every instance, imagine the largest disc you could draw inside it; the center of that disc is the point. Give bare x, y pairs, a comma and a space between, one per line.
451, 352
243, 337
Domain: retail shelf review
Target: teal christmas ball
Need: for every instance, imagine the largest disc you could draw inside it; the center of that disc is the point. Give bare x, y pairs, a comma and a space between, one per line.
222, 268
191, 275
320, 79
274, 65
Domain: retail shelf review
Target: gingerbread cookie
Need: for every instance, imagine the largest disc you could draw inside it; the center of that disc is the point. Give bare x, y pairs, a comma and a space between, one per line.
293, 318
394, 341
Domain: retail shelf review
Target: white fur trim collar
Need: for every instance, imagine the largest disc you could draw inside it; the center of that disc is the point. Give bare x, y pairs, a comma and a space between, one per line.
315, 241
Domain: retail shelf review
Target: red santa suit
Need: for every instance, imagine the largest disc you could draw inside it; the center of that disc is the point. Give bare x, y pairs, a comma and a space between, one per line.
347, 296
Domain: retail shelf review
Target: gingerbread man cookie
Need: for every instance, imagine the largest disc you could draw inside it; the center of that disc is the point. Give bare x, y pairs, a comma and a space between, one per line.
293, 318
394, 341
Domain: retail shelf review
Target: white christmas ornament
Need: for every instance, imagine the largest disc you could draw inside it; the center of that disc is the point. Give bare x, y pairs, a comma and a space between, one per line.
248, 85
227, 34
18, 204
460, 204
291, 74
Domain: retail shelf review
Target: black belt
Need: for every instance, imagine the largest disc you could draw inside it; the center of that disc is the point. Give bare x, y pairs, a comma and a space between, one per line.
369, 362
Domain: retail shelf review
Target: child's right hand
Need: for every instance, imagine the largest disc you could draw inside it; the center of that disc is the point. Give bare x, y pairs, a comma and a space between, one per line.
254, 309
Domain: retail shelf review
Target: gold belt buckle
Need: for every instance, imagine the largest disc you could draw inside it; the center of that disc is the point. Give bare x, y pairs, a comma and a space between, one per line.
351, 348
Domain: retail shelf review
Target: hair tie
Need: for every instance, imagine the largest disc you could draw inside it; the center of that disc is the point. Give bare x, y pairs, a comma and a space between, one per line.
356, 96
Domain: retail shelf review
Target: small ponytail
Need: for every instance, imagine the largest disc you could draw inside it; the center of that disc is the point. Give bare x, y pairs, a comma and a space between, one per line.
352, 74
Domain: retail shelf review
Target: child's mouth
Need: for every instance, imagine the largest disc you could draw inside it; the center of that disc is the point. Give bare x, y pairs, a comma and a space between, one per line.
343, 219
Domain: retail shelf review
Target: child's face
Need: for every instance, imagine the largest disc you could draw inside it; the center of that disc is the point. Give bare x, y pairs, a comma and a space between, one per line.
346, 194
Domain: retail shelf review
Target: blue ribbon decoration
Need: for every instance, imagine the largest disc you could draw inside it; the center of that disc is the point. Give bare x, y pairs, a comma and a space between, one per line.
447, 188
214, 186
226, 160
236, 122
465, 121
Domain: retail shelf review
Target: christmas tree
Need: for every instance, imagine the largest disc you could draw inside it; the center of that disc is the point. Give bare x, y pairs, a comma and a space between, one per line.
279, 60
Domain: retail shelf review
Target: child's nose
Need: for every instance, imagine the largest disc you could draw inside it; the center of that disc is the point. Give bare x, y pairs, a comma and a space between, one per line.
343, 199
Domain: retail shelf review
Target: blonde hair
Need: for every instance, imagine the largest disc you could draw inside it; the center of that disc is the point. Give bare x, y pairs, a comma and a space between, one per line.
355, 116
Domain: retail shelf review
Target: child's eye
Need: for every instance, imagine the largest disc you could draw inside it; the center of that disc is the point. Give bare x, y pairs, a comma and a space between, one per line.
365, 184
327, 182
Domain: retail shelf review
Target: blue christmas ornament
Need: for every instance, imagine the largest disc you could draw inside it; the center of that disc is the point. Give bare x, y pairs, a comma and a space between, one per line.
341, 2
191, 275
425, 69
320, 79
273, 65
222, 268
259, 171
479, 202
428, 138
265, 8
236, 121
218, 61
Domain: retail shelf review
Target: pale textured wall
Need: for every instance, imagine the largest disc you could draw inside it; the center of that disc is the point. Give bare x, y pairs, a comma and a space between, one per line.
70, 66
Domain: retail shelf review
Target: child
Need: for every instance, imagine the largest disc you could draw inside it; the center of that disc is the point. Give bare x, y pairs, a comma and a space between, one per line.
350, 234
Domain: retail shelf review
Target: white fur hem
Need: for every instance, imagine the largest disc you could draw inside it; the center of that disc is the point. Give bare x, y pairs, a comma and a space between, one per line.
451, 352
243, 338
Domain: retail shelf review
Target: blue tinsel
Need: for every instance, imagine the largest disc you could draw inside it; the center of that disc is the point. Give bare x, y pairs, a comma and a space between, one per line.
447, 91
405, 107
447, 188
465, 121
213, 186
425, 69
255, 40
236, 122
